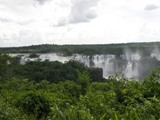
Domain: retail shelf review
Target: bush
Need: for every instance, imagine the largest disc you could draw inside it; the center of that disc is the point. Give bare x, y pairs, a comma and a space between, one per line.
34, 104
9, 113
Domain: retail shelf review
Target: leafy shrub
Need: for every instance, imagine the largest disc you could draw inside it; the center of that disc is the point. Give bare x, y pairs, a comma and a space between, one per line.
72, 113
34, 104
84, 81
9, 113
151, 84
70, 88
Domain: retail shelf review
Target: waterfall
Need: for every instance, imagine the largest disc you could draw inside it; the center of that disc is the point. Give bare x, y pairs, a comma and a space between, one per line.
132, 67
131, 64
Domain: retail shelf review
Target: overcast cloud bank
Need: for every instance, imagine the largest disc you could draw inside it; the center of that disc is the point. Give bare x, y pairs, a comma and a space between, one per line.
30, 22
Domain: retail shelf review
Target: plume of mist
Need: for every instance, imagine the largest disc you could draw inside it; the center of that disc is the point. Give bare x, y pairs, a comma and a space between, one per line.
156, 53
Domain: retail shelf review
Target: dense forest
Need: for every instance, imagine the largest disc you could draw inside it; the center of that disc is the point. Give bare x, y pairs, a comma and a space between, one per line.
44, 90
116, 49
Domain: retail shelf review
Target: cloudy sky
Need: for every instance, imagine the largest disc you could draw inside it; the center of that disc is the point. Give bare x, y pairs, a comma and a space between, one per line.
30, 22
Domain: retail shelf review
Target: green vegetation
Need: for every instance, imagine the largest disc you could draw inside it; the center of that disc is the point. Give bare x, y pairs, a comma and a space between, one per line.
34, 104
55, 72
116, 49
68, 92
33, 55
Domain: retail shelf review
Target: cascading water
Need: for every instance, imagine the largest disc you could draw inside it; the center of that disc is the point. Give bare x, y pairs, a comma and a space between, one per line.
156, 54
131, 64
105, 62
131, 70
132, 67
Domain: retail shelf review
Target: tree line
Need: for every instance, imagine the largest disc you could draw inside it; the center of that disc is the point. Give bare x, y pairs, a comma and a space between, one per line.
116, 49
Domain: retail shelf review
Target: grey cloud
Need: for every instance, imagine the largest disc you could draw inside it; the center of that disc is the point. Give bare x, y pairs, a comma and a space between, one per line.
62, 22
151, 7
5, 20
81, 11
41, 2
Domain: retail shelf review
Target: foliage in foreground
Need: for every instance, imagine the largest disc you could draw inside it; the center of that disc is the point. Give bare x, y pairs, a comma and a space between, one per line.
117, 98
113, 99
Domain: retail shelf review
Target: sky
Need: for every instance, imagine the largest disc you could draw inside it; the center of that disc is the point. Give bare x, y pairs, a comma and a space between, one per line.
32, 22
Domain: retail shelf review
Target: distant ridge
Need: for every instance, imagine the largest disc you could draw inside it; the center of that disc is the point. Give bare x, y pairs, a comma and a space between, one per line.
87, 49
